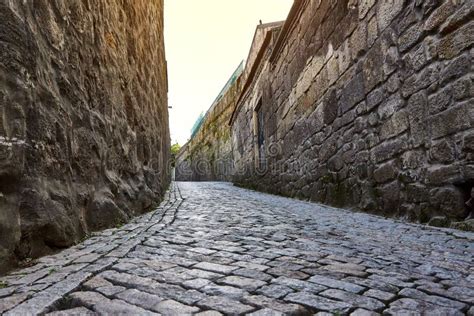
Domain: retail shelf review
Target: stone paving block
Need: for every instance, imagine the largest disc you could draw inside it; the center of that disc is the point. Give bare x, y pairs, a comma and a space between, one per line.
53, 277
32, 289
92, 257
159, 265
225, 305
7, 291
96, 282
253, 274
278, 305
298, 261
219, 260
43, 301
202, 251
346, 286
374, 284
75, 268
209, 313
110, 291
380, 295
275, 290
196, 283
266, 312
421, 307
170, 307
197, 273
100, 265
9, 302
242, 282
363, 312
458, 293
299, 285
279, 271
143, 284
392, 280
117, 307
318, 302
31, 278
265, 259
347, 268
190, 297
141, 299
167, 276
227, 291
219, 268
355, 299
436, 300
78, 311
253, 266
86, 298
287, 265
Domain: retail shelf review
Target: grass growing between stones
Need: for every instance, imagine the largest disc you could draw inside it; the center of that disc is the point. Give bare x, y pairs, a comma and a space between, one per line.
3, 284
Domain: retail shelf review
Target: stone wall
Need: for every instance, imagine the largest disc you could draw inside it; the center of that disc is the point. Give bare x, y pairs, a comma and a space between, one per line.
84, 140
208, 155
366, 104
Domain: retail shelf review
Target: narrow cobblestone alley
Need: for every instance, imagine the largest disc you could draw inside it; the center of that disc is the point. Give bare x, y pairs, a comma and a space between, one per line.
214, 248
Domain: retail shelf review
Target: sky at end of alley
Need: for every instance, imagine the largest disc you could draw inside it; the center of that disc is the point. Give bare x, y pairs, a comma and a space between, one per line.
205, 42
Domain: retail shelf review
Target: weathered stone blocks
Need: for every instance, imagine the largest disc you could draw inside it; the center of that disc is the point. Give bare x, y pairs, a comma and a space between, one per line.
388, 127
84, 123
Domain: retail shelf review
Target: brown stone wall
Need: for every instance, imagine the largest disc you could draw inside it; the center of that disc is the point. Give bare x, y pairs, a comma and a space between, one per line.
208, 155
84, 140
367, 104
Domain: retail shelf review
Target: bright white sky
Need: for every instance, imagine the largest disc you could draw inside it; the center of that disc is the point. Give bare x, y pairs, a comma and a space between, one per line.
205, 41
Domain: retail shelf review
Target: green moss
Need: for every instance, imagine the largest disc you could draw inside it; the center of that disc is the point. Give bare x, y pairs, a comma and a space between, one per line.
3, 284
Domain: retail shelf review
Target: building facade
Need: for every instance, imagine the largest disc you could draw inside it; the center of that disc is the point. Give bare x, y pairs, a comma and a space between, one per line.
84, 136
207, 156
363, 104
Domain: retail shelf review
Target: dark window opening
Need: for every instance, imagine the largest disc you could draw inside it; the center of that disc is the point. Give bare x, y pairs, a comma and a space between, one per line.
260, 135
467, 189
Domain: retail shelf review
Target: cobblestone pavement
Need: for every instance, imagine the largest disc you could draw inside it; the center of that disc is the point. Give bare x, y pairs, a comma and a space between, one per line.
213, 249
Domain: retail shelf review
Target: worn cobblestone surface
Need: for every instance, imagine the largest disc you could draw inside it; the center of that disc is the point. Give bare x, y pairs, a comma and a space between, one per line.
213, 249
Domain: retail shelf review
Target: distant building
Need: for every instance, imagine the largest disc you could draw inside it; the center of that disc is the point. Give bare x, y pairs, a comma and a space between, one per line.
207, 156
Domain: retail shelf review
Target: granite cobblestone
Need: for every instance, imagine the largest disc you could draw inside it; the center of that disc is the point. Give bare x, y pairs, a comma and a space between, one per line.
214, 249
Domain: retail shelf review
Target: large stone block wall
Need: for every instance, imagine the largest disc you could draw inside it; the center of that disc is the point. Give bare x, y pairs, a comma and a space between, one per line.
366, 104
84, 140
208, 155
